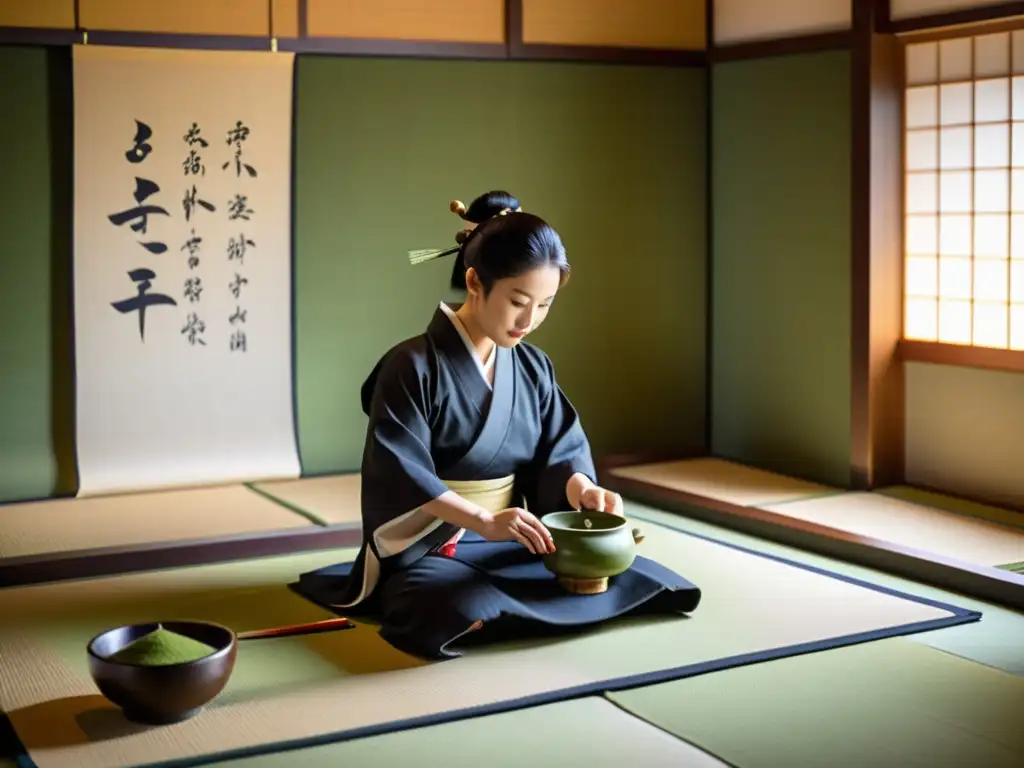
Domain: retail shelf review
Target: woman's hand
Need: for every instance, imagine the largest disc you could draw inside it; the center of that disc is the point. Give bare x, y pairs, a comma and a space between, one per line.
583, 494
519, 525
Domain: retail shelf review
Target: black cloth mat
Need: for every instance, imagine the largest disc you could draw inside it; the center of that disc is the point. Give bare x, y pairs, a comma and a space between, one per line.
426, 607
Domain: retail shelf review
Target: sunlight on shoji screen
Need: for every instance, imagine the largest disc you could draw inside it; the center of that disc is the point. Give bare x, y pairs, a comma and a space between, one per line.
964, 205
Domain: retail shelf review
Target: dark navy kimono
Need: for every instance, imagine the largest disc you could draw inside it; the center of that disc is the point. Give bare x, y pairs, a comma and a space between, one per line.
434, 418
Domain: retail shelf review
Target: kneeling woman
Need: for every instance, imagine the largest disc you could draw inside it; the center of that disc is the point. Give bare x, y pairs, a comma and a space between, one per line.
470, 440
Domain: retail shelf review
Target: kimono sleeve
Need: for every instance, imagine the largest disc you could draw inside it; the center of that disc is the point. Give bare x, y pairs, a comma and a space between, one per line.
398, 469
563, 450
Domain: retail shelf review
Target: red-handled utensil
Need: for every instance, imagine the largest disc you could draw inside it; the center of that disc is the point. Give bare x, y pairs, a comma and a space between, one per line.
309, 628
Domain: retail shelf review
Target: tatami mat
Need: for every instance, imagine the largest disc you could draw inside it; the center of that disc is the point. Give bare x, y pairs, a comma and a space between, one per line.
994, 641
901, 522
888, 703
352, 684
65, 525
723, 480
331, 499
586, 732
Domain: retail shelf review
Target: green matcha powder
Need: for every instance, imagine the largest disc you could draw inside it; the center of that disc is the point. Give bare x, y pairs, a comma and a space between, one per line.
162, 647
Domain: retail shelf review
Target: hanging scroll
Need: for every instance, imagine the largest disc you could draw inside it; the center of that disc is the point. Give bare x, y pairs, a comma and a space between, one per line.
182, 267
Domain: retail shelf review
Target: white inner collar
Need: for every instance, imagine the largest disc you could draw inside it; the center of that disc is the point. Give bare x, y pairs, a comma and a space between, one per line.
482, 366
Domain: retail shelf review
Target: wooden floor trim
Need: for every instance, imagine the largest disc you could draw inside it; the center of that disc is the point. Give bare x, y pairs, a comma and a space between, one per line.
985, 583
982, 582
961, 355
111, 561
114, 560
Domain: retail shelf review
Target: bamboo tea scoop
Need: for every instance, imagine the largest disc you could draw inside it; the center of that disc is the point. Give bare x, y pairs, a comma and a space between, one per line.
309, 628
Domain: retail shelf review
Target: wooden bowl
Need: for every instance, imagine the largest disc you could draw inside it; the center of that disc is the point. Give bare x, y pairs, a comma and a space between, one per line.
159, 695
590, 548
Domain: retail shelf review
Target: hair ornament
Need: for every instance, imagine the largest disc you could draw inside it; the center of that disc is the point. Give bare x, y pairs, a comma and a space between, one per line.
429, 254
459, 208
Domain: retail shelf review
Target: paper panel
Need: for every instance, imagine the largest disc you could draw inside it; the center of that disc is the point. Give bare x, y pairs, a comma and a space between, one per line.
195, 17
741, 21
285, 19
963, 432
43, 14
675, 24
466, 21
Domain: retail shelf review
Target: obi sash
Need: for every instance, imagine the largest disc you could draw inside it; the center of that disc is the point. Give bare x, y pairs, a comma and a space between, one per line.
493, 495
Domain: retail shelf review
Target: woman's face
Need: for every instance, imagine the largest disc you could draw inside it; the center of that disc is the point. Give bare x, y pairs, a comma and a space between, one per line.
515, 306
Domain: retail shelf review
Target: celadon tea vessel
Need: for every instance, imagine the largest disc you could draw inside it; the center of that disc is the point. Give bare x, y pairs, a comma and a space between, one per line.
590, 548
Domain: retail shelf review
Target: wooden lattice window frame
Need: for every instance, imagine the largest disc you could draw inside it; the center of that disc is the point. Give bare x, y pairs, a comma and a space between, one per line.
963, 203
